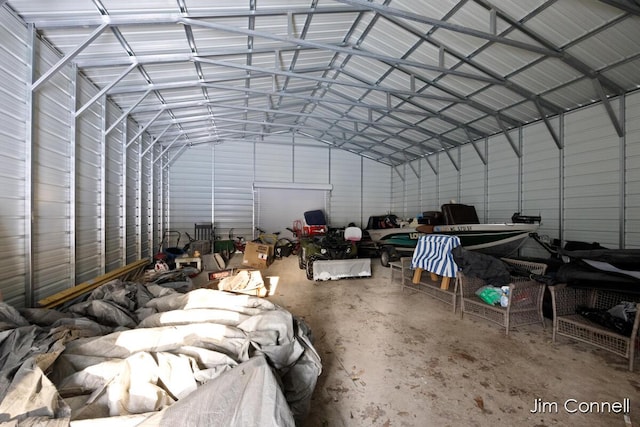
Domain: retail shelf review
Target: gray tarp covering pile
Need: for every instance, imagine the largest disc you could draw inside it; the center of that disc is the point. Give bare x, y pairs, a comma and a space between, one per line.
134, 354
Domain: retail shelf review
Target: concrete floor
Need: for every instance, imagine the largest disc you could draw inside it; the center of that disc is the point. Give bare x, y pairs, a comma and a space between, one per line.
394, 357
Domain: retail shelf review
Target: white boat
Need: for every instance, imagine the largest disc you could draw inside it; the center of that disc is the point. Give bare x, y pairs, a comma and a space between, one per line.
499, 240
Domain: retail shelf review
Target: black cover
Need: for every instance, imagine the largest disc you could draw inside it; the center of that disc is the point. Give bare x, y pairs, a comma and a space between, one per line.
315, 217
604, 318
431, 218
624, 259
581, 275
457, 213
476, 264
525, 219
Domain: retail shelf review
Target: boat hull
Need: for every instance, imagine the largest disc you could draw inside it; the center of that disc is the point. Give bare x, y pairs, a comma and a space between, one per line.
403, 239
499, 240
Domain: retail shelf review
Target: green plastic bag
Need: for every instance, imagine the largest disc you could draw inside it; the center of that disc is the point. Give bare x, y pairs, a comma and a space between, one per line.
490, 295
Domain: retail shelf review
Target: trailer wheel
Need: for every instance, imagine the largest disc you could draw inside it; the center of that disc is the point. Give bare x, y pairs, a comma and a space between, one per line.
387, 254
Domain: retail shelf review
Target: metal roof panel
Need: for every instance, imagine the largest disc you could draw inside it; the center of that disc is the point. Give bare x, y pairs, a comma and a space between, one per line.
386, 78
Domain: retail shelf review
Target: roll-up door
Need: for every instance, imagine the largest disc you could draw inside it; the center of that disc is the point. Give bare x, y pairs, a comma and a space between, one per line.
277, 206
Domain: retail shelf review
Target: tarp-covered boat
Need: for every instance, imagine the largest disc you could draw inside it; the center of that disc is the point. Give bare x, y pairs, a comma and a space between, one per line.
584, 264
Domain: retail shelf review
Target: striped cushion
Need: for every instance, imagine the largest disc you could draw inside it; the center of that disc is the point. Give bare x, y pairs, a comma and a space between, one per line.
433, 254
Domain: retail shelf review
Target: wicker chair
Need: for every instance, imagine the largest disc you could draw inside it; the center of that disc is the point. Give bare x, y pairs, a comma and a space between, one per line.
525, 298
567, 323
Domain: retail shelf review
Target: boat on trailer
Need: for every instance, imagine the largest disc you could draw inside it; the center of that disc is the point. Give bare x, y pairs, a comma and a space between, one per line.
497, 239
386, 237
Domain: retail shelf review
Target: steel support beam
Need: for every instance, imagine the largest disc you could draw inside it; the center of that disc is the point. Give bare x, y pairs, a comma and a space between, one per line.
68, 57
617, 123
104, 90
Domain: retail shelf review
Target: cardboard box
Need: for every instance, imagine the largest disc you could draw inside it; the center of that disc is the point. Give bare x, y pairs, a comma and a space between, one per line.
258, 255
248, 282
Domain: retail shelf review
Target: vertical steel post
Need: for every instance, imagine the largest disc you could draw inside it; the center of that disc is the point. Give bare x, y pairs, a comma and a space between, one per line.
73, 207
28, 213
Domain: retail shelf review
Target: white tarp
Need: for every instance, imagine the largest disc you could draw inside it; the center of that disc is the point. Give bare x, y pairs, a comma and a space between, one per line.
204, 357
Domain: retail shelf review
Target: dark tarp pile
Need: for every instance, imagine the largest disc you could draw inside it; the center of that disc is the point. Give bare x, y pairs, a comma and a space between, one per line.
135, 354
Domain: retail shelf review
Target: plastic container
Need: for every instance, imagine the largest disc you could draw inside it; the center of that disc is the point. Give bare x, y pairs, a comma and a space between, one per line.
504, 298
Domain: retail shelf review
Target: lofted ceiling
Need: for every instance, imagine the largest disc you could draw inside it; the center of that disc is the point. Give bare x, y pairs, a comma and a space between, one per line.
390, 80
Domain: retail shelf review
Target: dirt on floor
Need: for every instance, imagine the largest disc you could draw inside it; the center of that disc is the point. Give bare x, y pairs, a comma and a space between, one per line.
394, 357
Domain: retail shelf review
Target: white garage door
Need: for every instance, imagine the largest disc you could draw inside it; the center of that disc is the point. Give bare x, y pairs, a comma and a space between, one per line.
276, 208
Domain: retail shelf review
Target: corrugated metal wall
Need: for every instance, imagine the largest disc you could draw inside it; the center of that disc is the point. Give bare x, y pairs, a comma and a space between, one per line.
346, 178
474, 177
64, 184
233, 177
412, 185
114, 202
89, 180
592, 166
541, 184
631, 155
504, 179
76, 202
310, 162
448, 180
398, 193
274, 160
133, 206
295, 163
53, 173
588, 191
145, 191
429, 183
376, 190
276, 208
14, 162
191, 200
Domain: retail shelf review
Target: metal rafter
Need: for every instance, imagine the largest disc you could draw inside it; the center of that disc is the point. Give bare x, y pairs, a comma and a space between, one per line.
389, 11
525, 93
296, 54
330, 81
427, 83
629, 6
291, 108
559, 53
338, 49
151, 18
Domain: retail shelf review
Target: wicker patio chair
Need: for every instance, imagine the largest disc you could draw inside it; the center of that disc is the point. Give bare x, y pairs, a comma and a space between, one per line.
568, 323
525, 298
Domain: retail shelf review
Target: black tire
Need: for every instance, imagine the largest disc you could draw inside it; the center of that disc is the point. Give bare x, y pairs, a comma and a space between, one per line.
309, 267
387, 254
301, 262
